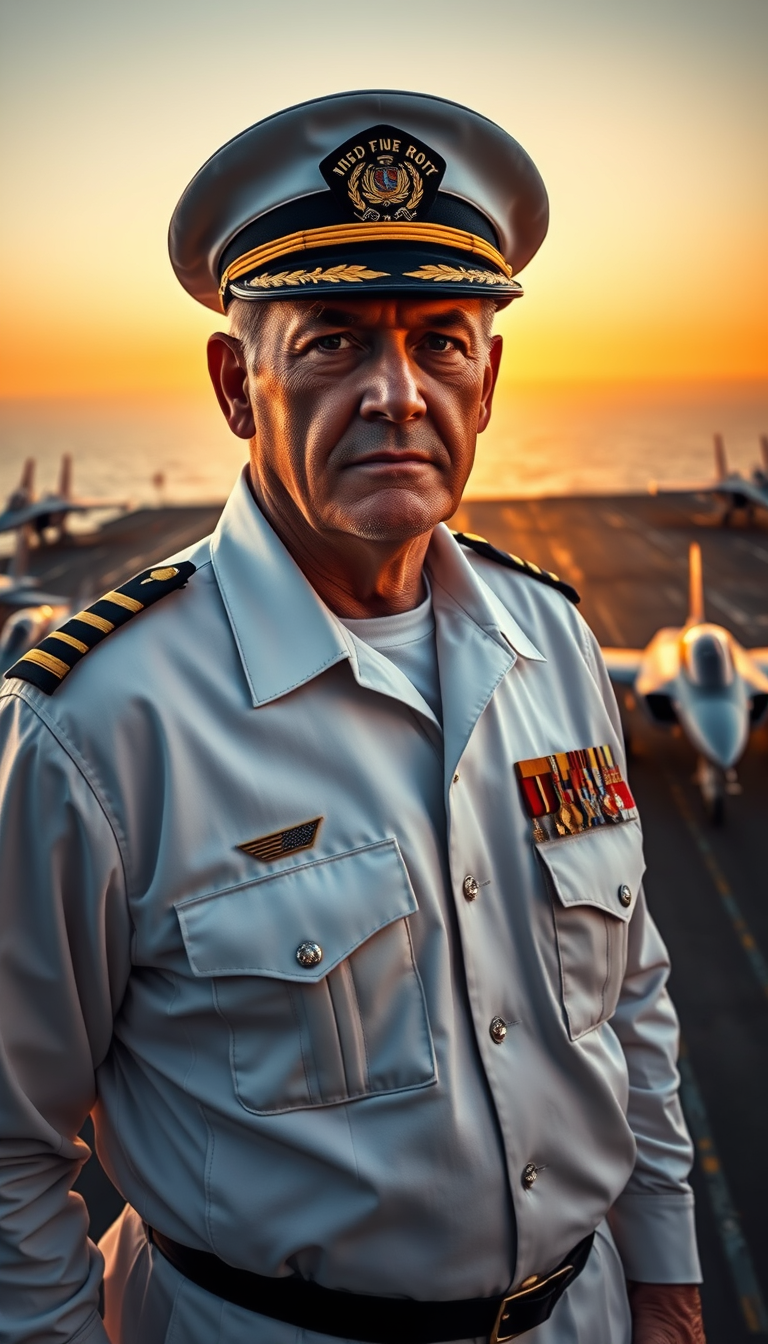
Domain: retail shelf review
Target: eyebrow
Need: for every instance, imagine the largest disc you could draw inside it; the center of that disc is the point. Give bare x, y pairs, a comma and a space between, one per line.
340, 317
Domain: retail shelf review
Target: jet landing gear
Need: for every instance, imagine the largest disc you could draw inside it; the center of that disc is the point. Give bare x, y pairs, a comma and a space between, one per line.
712, 782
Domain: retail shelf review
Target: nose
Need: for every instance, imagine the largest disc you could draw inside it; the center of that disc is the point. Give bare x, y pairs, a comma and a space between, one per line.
392, 391
720, 730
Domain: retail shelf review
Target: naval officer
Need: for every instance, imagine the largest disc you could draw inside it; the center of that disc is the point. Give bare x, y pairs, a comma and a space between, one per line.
322, 878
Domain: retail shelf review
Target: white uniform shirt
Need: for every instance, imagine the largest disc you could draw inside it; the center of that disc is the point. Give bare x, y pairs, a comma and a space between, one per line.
355, 1121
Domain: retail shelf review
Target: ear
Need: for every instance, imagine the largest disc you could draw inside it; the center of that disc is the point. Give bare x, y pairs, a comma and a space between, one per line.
229, 375
489, 382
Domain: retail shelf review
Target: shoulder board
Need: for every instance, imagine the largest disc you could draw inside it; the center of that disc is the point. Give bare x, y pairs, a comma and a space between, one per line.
52, 660
527, 567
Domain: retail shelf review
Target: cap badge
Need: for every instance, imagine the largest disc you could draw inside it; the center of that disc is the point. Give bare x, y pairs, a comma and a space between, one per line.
384, 174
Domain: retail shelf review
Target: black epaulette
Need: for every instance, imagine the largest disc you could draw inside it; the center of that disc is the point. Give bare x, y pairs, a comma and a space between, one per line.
483, 547
52, 660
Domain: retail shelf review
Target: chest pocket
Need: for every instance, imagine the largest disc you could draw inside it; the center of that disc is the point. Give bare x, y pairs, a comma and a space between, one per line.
354, 1023
595, 879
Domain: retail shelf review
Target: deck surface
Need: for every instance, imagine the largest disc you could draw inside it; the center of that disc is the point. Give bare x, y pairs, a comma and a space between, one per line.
628, 558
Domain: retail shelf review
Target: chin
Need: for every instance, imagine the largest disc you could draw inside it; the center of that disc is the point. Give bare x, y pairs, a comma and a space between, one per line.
397, 515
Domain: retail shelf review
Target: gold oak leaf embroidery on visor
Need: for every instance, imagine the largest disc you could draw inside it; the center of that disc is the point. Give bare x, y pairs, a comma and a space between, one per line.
290, 841
334, 275
458, 274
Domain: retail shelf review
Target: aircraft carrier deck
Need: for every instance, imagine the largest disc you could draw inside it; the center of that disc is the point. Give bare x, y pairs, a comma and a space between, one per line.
708, 888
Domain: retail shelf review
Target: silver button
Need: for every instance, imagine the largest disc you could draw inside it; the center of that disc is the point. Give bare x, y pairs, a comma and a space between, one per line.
625, 895
498, 1030
309, 954
470, 886
530, 1172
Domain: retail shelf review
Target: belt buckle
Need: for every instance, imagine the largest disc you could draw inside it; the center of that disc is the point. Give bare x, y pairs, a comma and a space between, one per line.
529, 1286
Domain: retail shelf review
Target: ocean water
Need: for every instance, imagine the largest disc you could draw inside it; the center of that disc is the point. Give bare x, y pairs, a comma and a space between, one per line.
542, 440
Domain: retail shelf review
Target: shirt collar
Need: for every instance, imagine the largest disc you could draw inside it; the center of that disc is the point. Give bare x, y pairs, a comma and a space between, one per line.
451, 570
285, 633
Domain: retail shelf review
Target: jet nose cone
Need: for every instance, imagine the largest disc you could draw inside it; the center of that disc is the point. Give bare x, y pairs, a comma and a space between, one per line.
721, 730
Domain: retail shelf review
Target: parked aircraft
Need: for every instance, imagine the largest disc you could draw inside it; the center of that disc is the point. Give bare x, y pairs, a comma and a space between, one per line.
17, 587
738, 492
24, 509
700, 677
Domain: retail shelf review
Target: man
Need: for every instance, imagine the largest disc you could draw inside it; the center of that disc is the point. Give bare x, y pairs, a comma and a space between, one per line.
322, 877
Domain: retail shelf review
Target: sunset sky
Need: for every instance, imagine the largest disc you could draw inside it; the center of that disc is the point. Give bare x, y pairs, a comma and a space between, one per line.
648, 122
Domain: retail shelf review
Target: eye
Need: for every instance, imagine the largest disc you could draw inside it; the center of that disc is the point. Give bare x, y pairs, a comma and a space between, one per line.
434, 341
333, 342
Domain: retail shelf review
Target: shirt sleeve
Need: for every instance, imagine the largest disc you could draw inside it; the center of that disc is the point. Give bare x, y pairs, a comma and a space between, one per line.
64, 961
653, 1219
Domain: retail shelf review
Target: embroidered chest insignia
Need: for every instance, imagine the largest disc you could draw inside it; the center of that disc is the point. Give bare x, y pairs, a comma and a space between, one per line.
290, 841
47, 665
574, 791
384, 173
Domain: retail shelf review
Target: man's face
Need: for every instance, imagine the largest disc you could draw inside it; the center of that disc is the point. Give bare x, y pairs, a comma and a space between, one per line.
366, 414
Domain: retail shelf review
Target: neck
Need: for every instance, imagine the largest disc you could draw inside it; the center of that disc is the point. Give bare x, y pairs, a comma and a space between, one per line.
355, 577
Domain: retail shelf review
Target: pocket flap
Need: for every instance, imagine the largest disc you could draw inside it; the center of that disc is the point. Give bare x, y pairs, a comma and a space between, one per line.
598, 867
337, 903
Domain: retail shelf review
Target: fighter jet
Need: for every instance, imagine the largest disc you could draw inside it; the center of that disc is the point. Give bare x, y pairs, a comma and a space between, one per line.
699, 677
24, 509
738, 492
17, 587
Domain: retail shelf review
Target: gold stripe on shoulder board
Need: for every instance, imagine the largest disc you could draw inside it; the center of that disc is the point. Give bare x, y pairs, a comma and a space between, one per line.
46, 666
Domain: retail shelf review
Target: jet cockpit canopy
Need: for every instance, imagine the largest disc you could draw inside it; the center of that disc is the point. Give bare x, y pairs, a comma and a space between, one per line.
707, 658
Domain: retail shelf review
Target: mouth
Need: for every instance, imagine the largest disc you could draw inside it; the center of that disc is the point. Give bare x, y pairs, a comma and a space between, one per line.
393, 458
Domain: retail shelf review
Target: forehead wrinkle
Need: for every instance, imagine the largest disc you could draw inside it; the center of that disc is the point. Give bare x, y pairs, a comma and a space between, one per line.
454, 317
341, 317
336, 317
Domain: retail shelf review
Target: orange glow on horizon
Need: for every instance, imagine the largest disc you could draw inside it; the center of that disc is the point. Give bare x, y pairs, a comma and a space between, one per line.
647, 123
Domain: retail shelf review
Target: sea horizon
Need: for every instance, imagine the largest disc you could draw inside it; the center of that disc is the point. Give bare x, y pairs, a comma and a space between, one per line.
545, 438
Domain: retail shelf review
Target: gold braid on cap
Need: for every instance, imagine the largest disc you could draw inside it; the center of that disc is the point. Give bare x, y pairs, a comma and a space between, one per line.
334, 234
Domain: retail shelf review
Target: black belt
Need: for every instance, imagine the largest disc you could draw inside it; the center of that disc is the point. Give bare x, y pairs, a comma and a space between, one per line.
377, 1320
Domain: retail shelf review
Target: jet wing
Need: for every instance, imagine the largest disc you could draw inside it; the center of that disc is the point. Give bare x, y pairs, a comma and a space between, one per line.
31, 597
756, 494
683, 487
623, 664
15, 518
739, 486
760, 657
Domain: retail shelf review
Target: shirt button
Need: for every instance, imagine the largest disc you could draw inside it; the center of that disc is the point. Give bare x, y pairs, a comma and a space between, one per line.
309, 954
625, 895
470, 886
498, 1030
530, 1172
456, 777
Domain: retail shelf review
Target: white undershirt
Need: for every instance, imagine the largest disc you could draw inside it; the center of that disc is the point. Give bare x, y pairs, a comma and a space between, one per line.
408, 640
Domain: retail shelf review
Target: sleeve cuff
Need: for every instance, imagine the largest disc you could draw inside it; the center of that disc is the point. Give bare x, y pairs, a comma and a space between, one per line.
656, 1238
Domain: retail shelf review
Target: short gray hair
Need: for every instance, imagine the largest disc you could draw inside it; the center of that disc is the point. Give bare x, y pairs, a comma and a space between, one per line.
246, 322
